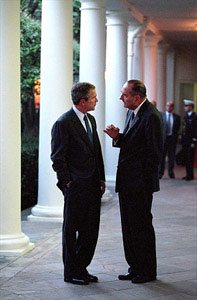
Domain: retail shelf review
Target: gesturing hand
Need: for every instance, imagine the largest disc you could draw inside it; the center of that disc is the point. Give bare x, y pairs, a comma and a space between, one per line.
112, 131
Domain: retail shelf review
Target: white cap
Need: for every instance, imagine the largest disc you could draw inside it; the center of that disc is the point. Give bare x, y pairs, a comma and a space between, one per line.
188, 102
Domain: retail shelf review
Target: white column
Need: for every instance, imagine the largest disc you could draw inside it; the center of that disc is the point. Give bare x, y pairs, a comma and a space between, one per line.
136, 44
12, 240
56, 83
150, 77
138, 58
170, 57
92, 55
130, 51
116, 76
161, 76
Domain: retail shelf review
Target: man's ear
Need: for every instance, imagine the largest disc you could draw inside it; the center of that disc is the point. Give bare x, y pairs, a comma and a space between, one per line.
138, 98
82, 102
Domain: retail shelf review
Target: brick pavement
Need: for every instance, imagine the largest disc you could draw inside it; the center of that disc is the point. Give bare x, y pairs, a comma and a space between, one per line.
38, 275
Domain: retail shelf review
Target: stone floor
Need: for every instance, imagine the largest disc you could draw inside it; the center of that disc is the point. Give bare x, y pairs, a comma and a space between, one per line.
38, 274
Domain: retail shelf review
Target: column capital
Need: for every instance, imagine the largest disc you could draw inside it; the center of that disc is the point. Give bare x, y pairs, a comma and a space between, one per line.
152, 40
130, 36
162, 47
141, 30
117, 18
92, 4
132, 30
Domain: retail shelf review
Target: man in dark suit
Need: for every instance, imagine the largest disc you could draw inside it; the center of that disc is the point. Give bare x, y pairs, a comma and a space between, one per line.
77, 160
171, 123
141, 145
189, 138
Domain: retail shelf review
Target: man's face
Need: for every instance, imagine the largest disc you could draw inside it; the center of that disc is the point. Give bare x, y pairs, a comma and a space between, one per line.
91, 102
188, 108
169, 107
130, 100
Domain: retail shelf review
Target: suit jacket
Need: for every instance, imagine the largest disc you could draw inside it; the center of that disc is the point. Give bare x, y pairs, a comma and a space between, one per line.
189, 134
140, 151
72, 154
175, 127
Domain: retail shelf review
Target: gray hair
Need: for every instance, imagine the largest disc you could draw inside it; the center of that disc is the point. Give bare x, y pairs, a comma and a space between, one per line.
138, 87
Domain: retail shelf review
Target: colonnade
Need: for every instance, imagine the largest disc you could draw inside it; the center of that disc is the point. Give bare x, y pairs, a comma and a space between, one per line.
104, 50
12, 240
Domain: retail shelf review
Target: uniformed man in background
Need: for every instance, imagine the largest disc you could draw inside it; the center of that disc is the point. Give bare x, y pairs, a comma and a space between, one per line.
189, 138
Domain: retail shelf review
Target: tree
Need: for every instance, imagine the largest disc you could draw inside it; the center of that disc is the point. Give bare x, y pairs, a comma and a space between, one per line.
76, 20
76, 38
30, 56
32, 8
30, 60
30, 68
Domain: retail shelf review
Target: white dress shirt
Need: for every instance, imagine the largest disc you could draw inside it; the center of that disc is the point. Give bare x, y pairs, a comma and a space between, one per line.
80, 115
170, 115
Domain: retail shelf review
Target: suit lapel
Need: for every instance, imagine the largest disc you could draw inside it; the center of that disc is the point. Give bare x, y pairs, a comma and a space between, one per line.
132, 123
80, 129
138, 116
174, 121
164, 122
164, 117
93, 126
127, 121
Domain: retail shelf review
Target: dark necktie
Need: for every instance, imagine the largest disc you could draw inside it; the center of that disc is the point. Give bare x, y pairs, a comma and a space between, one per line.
129, 121
89, 132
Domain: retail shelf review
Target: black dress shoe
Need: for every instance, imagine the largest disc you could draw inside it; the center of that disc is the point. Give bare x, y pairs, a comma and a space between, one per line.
128, 276
188, 178
91, 278
78, 281
143, 279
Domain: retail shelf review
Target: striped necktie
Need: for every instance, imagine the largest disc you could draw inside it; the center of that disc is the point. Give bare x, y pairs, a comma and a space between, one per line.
129, 121
89, 132
132, 116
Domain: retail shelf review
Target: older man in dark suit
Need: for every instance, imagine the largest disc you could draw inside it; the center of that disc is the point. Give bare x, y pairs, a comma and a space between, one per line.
171, 123
141, 146
77, 160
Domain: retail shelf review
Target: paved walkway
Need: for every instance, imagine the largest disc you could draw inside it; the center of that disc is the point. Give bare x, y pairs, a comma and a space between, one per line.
38, 274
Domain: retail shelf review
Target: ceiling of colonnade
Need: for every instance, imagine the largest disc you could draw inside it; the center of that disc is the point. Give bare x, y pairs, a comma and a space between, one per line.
175, 20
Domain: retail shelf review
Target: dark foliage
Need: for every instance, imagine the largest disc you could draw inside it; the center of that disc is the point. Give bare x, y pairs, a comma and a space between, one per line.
76, 40
30, 66
32, 8
29, 171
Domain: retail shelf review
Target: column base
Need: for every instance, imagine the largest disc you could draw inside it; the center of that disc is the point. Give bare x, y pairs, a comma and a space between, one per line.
107, 195
15, 245
111, 181
33, 218
46, 214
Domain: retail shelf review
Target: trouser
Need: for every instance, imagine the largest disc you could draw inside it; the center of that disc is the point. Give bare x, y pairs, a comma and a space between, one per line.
169, 149
138, 231
189, 161
81, 225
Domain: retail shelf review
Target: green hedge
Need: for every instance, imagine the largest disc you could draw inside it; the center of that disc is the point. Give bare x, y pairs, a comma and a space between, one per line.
29, 171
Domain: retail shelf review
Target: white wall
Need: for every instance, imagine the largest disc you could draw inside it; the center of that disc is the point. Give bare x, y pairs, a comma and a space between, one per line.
185, 72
